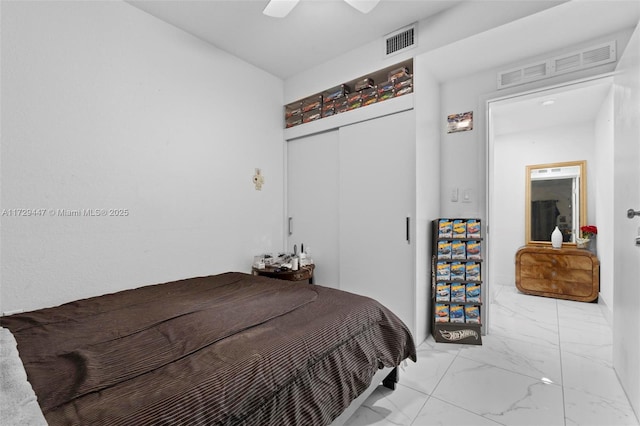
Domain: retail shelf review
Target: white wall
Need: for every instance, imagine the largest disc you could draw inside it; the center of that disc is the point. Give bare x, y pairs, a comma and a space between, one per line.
106, 107
601, 180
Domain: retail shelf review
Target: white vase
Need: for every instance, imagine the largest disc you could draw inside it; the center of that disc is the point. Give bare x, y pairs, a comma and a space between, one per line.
556, 238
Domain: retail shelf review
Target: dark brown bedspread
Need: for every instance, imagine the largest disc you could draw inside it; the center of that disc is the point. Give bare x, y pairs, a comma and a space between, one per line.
226, 349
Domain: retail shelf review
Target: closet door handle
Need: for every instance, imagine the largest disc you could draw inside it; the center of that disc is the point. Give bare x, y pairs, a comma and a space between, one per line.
408, 230
290, 225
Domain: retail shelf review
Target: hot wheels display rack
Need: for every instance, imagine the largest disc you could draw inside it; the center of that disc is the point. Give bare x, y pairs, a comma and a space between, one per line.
457, 291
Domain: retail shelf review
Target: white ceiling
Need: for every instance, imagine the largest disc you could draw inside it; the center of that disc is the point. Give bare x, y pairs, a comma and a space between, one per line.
314, 32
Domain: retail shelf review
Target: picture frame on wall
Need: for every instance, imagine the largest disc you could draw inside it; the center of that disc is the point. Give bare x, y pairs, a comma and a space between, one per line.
460, 122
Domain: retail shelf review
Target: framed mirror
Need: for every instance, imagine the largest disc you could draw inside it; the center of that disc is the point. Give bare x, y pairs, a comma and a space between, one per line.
555, 195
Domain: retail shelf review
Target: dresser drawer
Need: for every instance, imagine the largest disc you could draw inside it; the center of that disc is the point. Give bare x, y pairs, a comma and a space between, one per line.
567, 273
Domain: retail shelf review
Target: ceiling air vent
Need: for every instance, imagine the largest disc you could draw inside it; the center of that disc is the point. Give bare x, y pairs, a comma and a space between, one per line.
400, 40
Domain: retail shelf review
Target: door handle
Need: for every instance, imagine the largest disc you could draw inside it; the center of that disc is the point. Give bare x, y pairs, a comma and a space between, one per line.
290, 225
408, 230
631, 213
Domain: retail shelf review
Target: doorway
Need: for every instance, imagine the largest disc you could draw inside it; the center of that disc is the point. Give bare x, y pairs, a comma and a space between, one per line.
564, 123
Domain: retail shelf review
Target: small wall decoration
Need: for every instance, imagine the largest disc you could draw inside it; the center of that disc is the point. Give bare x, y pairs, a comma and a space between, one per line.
460, 122
258, 180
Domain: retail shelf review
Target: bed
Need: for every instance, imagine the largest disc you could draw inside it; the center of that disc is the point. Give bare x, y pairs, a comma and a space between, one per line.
228, 349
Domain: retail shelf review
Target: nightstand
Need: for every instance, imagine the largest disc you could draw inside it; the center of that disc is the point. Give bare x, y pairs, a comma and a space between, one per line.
305, 273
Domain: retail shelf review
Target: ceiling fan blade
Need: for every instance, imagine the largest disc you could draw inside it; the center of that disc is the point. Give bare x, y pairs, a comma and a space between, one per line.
364, 6
279, 8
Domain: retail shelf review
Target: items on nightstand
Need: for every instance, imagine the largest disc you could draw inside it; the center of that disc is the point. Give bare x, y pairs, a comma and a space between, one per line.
285, 266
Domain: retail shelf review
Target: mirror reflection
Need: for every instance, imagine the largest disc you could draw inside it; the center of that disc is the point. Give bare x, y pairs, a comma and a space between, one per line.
555, 196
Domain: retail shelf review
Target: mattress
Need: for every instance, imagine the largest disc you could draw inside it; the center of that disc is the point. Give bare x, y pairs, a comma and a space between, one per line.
228, 349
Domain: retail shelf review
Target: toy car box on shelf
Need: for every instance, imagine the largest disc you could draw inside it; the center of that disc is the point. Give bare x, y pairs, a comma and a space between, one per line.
294, 120
403, 82
474, 250
472, 271
444, 249
328, 108
341, 104
311, 115
458, 249
442, 312
456, 313
363, 83
335, 92
457, 271
354, 100
443, 292
294, 108
398, 73
472, 314
445, 228
458, 292
443, 271
473, 292
385, 90
311, 103
369, 96
473, 228
459, 228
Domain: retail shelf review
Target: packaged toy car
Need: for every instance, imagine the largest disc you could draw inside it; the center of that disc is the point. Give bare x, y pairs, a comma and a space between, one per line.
473, 292
341, 104
403, 91
444, 249
457, 271
311, 103
445, 228
443, 271
473, 228
364, 83
335, 92
472, 313
369, 96
456, 313
459, 228
443, 292
311, 115
474, 249
294, 108
458, 249
473, 271
294, 120
397, 73
442, 312
458, 292
403, 82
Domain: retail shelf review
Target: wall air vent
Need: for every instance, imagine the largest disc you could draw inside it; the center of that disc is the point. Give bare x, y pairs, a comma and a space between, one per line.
586, 58
400, 40
523, 75
574, 61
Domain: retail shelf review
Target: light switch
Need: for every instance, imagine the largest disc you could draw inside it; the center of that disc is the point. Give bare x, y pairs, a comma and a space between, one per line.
454, 195
467, 194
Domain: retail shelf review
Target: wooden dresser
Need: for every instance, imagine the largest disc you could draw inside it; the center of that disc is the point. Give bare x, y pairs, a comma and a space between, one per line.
565, 273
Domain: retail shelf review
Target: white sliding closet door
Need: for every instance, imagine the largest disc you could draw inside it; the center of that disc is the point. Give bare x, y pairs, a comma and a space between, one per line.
312, 201
377, 194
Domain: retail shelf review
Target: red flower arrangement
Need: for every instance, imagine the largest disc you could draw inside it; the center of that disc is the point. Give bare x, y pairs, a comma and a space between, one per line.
589, 231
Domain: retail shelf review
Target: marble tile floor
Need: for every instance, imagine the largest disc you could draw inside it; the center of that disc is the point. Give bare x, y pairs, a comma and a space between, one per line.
544, 362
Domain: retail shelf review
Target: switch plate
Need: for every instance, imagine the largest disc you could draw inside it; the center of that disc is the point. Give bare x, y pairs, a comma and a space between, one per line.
454, 195
467, 195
